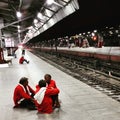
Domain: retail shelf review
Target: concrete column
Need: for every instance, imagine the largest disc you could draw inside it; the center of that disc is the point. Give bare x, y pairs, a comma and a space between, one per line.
1, 44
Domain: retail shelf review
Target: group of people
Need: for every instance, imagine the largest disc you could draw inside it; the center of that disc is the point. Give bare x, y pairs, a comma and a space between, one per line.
44, 98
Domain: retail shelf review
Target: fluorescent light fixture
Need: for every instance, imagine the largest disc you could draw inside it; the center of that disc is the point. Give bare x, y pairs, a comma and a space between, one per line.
39, 15
18, 27
49, 2
19, 15
35, 21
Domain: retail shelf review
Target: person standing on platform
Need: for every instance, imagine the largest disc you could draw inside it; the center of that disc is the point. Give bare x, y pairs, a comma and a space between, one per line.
23, 51
43, 98
23, 95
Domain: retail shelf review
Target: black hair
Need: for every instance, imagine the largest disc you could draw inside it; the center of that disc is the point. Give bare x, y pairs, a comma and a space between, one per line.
48, 75
42, 83
23, 80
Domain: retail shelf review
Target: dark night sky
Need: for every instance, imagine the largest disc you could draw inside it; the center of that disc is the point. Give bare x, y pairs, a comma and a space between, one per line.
93, 14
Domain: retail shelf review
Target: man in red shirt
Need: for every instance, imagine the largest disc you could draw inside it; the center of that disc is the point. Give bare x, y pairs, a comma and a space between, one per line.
23, 95
43, 97
22, 60
52, 84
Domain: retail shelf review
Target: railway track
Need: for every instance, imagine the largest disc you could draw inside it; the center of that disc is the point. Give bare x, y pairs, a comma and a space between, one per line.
108, 84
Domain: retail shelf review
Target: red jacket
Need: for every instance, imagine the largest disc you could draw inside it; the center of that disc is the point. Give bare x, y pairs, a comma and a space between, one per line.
20, 93
52, 84
21, 60
46, 105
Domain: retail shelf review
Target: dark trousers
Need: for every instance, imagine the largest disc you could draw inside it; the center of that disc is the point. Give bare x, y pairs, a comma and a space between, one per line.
27, 103
55, 99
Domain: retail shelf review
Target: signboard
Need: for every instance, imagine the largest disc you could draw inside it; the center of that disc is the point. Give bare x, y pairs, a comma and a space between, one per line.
9, 42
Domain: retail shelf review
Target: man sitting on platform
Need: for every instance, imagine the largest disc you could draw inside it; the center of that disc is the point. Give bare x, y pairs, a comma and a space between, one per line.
43, 97
22, 60
23, 95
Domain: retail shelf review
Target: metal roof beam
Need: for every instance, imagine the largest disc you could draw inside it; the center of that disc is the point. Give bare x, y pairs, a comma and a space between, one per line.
49, 9
5, 9
17, 21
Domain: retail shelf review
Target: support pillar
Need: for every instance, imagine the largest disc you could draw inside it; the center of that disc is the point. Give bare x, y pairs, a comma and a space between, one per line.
1, 49
100, 41
1, 43
1, 56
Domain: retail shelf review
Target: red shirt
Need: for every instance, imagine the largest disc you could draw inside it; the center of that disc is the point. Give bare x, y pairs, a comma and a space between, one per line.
20, 93
52, 84
21, 60
46, 105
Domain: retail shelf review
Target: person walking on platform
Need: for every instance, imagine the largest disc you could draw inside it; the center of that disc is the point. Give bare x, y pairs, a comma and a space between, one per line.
43, 97
23, 95
22, 60
51, 84
23, 51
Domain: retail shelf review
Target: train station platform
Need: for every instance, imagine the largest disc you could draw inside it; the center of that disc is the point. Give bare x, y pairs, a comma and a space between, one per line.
78, 100
102, 50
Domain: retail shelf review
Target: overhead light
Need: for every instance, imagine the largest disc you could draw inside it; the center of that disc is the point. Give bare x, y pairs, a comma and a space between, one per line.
39, 15
93, 34
49, 2
35, 21
95, 31
19, 15
18, 27
19, 31
30, 27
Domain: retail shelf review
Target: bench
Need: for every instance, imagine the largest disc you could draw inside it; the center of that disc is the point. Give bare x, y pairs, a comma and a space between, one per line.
9, 61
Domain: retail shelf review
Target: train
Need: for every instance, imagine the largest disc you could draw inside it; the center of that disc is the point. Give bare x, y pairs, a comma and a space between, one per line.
111, 54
